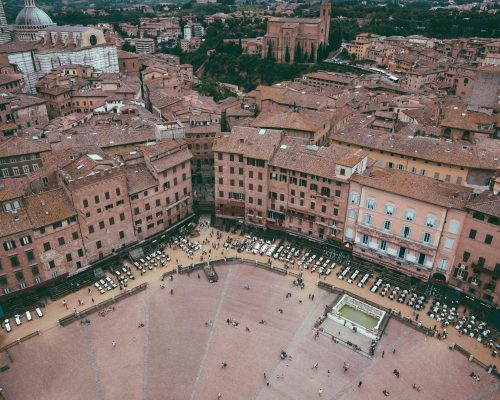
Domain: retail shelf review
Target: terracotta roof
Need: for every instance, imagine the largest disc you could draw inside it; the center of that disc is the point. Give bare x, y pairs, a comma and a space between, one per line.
11, 224
171, 161
331, 76
126, 54
86, 165
288, 20
9, 194
416, 187
314, 160
139, 178
285, 95
15, 146
303, 120
486, 203
161, 147
48, 207
426, 148
250, 142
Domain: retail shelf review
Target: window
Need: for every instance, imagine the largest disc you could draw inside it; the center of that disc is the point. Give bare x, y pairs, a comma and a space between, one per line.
106, 195
443, 264
69, 257
389, 209
96, 199
74, 235
46, 246
30, 255
426, 237
61, 241
122, 217
98, 244
430, 221
387, 225
91, 229
383, 245
454, 226
80, 253
368, 219
118, 192
9, 245
478, 215
448, 243
35, 271
371, 204
406, 232
349, 233
101, 225
402, 252
410, 215
472, 234
421, 259
354, 198
19, 276
14, 260
365, 239
121, 234
488, 239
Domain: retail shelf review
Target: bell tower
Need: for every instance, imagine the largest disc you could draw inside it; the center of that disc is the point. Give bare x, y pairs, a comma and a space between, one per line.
4, 28
324, 16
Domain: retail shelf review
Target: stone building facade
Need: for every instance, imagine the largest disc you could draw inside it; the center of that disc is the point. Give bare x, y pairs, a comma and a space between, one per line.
285, 35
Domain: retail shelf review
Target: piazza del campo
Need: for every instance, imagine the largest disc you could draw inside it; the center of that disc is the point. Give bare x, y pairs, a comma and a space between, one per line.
250, 199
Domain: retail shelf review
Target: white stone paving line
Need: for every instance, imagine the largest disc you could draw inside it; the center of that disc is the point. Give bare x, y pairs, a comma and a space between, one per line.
147, 314
93, 362
294, 338
212, 331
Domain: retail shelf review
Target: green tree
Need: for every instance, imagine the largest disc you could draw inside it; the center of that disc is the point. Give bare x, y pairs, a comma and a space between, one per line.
287, 55
298, 53
270, 51
313, 52
128, 47
319, 57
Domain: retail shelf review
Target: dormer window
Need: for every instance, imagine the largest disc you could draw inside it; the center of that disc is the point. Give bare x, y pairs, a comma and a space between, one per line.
11, 206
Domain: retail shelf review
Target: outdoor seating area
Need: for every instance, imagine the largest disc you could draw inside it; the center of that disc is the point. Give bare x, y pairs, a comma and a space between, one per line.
18, 319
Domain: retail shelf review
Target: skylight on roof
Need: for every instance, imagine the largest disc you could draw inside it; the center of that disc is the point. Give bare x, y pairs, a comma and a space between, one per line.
95, 157
262, 131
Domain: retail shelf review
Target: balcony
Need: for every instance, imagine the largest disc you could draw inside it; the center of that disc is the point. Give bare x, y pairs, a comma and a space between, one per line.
182, 199
391, 261
398, 240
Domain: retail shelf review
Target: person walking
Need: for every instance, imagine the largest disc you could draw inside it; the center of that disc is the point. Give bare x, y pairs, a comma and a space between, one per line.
320, 392
359, 384
114, 344
171, 291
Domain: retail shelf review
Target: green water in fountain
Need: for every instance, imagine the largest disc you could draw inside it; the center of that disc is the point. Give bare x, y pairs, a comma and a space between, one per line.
358, 317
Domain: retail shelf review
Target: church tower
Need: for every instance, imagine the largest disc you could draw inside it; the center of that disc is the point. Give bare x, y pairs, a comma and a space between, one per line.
4, 28
325, 15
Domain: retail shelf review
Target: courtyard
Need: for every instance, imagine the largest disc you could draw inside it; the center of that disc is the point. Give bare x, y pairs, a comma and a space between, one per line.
185, 337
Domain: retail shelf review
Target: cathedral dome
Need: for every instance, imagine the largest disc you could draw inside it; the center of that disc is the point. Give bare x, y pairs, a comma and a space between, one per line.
31, 16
